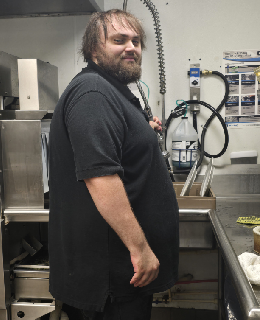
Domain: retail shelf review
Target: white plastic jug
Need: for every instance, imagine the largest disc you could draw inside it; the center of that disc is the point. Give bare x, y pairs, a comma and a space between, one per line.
184, 145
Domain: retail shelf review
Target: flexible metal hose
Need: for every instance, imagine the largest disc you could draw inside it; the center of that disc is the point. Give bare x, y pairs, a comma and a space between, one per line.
147, 107
162, 78
158, 35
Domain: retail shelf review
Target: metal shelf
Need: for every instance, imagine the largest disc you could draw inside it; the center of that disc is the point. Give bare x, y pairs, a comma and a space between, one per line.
21, 215
31, 8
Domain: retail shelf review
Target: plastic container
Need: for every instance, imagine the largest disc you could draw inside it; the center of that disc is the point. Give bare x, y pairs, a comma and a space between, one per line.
184, 145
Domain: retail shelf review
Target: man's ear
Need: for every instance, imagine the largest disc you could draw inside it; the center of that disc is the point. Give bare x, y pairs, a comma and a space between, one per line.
94, 56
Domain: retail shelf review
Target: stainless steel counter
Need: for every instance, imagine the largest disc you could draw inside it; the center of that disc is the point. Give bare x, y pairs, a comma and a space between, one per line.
234, 239
229, 209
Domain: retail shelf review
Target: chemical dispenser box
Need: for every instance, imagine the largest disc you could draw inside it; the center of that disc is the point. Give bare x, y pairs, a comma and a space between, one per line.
194, 200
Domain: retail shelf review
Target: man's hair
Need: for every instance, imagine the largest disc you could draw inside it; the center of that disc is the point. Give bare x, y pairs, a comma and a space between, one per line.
99, 22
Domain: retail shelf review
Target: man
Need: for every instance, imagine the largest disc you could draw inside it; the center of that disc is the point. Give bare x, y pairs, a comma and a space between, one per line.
113, 210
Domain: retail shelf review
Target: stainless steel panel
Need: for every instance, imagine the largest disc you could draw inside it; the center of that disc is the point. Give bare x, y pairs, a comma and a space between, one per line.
195, 229
27, 8
195, 91
2, 277
194, 215
38, 85
9, 85
29, 273
196, 235
31, 288
30, 311
3, 314
237, 179
34, 267
231, 179
22, 164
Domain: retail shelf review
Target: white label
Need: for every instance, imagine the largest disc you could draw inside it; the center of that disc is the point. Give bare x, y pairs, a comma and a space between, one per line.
193, 153
178, 155
184, 151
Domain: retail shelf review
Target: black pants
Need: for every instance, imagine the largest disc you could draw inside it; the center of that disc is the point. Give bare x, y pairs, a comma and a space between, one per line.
136, 309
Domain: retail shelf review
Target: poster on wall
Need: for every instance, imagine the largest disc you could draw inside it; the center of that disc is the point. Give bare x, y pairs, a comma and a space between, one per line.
242, 108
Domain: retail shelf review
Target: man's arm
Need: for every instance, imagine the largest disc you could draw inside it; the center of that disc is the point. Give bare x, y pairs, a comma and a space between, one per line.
110, 198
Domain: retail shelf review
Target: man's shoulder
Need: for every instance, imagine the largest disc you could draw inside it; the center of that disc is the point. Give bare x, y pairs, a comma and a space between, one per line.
85, 83
91, 81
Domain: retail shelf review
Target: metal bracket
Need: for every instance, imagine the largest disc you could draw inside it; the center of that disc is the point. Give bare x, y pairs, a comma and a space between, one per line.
29, 310
195, 86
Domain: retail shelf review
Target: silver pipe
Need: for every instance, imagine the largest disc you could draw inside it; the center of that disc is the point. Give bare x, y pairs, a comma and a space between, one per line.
1, 103
165, 153
125, 5
163, 123
194, 212
26, 211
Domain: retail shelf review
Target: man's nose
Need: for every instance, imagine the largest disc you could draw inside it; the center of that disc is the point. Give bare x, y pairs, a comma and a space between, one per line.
129, 46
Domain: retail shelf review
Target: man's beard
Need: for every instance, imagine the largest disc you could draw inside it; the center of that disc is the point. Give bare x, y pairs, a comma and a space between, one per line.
124, 71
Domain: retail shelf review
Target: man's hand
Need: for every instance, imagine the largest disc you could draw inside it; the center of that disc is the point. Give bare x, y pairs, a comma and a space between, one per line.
156, 124
146, 267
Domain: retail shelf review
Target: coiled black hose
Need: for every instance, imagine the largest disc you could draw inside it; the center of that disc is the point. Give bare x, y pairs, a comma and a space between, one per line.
215, 113
218, 108
219, 74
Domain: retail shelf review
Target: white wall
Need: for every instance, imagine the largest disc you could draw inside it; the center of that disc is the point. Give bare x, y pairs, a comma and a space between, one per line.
100, 3
193, 32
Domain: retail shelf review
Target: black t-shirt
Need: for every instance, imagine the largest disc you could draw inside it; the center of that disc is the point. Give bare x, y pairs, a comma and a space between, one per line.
99, 128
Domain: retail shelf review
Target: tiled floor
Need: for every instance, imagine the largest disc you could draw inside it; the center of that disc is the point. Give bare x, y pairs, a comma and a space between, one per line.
183, 314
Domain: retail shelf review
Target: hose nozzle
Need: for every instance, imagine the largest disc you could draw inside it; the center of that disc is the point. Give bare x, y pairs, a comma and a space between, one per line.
206, 72
257, 73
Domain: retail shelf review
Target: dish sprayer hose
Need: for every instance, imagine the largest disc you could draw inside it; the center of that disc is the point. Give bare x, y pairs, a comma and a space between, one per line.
215, 113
